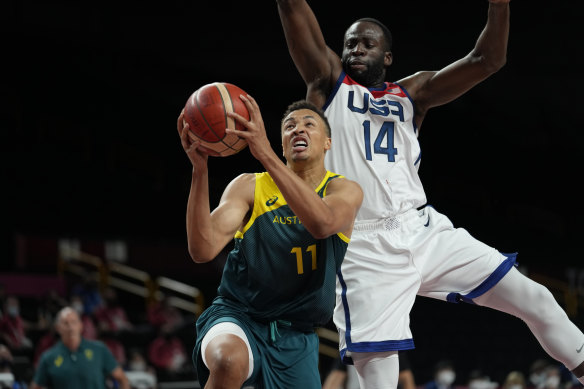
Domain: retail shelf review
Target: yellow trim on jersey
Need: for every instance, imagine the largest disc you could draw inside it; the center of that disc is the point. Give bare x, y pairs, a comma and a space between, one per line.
265, 188
343, 237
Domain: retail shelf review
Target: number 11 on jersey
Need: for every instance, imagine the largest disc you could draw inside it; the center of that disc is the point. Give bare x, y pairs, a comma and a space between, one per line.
299, 263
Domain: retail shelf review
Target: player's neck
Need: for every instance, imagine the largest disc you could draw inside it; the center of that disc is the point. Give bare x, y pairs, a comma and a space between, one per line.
312, 175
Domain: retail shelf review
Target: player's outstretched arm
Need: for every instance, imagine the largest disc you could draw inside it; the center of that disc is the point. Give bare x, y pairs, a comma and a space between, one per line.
318, 65
433, 88
209, 232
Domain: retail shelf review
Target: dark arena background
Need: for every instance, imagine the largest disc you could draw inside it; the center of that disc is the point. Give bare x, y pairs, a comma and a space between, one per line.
93, 172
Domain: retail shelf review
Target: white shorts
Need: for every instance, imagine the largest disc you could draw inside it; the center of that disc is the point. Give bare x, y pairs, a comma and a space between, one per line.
390, 261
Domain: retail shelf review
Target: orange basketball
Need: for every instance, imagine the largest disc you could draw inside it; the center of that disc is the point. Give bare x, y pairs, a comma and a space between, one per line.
206, 113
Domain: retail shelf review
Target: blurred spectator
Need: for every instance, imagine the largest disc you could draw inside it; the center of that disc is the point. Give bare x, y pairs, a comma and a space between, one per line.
111, 316
6, 363
544, 374
89, 327
13, 327
45, 342
444, 375
137, 362
344, 376
116, 347
48, 308
163, 316
168, 354
88, 290
514, 380
552, 377
140, 374
477, 379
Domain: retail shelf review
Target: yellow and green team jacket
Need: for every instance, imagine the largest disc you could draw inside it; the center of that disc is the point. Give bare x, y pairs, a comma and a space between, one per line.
277, 270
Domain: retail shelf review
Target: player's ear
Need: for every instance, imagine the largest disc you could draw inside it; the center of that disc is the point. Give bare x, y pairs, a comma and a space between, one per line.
387, 58
327, 143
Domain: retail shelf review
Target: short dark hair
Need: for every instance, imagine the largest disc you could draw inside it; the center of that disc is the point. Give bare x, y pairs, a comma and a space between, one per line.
304, 104
386, 32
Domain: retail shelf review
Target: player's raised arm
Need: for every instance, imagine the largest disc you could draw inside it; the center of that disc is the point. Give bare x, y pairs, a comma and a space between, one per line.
304, 141
318, 65
209, 232
430, 89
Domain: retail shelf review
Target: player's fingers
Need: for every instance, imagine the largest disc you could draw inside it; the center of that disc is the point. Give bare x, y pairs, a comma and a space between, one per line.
252, 107
242, 134
180, 121
241, 120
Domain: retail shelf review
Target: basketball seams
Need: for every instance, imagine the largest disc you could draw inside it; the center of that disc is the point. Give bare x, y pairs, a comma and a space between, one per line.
227, 103
207, 112
196, 98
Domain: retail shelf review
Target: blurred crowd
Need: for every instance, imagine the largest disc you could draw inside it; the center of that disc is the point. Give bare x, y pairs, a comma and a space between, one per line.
151, 341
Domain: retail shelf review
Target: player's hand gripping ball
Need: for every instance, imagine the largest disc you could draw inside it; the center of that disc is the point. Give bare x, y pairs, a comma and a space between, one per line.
206, 114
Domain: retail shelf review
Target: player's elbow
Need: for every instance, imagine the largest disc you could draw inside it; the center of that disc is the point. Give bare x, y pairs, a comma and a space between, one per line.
200, 255
489, 64
322, 229
493, 65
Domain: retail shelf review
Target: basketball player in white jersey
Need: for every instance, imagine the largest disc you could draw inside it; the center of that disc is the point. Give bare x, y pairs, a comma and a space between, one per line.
400, 247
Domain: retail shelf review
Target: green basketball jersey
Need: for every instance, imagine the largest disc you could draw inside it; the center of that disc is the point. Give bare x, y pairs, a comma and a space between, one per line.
277, 270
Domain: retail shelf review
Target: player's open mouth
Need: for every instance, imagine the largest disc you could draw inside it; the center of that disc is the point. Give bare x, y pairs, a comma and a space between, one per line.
299, 145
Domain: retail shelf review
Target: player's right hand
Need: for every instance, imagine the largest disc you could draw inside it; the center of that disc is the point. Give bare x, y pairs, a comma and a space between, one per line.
195, 151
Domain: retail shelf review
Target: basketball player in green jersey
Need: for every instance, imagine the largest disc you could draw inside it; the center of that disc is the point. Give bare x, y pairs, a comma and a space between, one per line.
291, 226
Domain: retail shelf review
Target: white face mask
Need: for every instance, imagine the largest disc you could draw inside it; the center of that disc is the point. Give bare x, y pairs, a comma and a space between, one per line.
515, 386
12, 311
137, 366
445, 378
536, 379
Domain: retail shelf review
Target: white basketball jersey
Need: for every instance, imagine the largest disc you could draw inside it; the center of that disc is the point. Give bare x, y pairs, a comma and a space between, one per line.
375, 142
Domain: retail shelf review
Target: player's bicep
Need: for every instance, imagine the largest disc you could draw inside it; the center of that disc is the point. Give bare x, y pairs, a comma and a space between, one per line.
234, 207
344, 198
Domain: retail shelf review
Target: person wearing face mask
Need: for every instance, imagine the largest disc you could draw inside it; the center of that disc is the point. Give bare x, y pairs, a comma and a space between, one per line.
444, 376
479, 380
13, 327
140, 374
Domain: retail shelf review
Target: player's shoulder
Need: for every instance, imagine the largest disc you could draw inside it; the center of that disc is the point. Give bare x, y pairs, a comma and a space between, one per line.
338, 182
416, 81
243, 180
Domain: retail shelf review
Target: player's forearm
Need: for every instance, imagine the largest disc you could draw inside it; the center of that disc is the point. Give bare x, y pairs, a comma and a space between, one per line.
198, 220
491, 46
306, 204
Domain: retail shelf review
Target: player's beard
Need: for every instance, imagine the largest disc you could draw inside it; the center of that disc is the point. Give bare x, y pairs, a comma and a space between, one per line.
372, 76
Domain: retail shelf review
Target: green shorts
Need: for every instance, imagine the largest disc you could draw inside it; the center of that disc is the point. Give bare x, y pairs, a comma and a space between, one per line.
283, 357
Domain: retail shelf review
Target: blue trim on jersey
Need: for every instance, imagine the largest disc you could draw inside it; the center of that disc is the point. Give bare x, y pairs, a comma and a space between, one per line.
487, 284
419, 157
412, 101
334, 91
345, 306
363, 347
